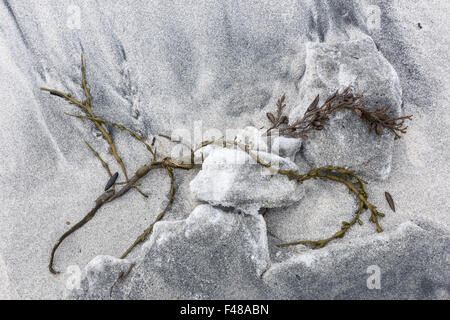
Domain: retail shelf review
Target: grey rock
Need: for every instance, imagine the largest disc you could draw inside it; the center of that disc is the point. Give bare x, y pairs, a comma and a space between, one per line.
231, 178
344, 142
252, 137
100, 279
286, 147
412, 261
215, 254
211, 254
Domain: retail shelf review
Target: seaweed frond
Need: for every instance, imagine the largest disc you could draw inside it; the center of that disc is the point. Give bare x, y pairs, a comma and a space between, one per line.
279, 119
316, 117
354, 184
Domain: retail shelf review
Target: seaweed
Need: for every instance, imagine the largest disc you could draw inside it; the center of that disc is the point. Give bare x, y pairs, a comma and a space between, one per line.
314, 119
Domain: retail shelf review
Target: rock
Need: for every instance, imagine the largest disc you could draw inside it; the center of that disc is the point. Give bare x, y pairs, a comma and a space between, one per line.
231, 178
215, 254
99, 277
286, 147
252, 137
412, 261
212, 254
344, 141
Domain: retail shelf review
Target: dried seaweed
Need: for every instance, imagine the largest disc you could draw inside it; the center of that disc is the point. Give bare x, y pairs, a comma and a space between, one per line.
279, 119
122, 275
149, 230
314, 119
354, 184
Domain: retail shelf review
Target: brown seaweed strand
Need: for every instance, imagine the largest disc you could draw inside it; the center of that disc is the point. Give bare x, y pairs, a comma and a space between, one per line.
149, 230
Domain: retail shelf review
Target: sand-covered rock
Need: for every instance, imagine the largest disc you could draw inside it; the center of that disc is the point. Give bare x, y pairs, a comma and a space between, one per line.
181, 262
100, 278
344, 141
411, 262
212, 254
286, 147
232, 178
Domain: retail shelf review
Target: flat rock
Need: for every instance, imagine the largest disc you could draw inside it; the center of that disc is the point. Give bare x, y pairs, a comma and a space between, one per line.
344, 141
231, 178
211, 254
412, 262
